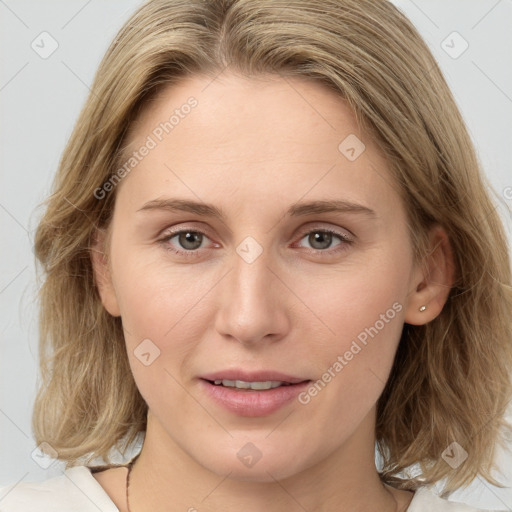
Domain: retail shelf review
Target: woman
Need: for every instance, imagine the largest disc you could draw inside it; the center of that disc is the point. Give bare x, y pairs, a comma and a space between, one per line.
267, 253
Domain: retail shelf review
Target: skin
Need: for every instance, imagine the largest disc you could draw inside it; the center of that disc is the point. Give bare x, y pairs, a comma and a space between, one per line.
253, 147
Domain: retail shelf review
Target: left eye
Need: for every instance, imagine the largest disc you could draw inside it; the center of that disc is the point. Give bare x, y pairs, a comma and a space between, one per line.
321, 240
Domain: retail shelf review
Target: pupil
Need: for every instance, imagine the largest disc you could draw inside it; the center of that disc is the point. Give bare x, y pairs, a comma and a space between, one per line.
190, 240
320, 240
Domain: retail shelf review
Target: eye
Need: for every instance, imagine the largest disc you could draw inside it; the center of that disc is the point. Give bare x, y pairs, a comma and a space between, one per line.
186, 242
323, 239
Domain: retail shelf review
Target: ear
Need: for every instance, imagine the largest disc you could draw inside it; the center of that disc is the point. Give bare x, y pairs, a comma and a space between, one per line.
103, 273
432, 280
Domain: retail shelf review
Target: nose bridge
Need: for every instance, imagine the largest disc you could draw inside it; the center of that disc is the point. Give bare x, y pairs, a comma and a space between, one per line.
250, 276
250, 304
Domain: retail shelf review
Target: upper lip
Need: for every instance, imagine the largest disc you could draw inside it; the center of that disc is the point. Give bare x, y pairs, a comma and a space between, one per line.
252, 376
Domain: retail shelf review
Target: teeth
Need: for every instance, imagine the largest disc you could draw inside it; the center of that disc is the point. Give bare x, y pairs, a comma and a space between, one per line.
241, 384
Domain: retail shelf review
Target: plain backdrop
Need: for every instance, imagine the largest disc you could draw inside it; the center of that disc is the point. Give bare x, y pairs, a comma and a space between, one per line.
41, 96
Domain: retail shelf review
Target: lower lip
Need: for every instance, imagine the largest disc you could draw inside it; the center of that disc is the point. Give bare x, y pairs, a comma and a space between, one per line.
250, 402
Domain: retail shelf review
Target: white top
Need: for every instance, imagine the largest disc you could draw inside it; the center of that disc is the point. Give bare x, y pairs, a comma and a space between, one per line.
77, 490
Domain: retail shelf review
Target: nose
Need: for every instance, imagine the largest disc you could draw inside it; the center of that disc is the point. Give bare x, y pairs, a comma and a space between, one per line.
253, 303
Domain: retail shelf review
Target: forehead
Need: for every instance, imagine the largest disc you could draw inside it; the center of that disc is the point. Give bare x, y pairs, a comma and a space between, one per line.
266, 136
267, 106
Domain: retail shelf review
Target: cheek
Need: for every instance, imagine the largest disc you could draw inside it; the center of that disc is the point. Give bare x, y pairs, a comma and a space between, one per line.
154, 297
362, 313
161, 329
358, 303
164, 312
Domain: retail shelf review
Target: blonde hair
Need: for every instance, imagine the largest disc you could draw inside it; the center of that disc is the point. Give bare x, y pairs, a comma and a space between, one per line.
450, 381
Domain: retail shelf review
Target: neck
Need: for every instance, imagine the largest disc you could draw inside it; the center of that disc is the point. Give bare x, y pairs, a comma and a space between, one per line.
165, 477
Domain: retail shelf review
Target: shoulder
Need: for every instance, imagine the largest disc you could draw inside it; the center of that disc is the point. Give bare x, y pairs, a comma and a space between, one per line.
425, 500
75, 489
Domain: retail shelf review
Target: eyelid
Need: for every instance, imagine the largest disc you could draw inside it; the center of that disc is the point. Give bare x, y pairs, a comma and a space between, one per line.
179, 228
342, 232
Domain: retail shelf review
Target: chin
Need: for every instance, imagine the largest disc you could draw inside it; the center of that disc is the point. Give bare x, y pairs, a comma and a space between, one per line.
264, 471
258, 461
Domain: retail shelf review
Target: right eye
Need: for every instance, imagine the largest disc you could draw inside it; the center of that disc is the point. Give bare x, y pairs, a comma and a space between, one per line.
185, 242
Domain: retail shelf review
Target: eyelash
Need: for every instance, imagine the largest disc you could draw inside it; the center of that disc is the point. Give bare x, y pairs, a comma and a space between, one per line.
342, 246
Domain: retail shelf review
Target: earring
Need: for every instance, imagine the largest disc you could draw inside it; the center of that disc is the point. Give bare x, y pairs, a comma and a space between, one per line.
423, 308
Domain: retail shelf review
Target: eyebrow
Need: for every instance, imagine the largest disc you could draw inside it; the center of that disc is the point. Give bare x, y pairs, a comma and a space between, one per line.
295, 210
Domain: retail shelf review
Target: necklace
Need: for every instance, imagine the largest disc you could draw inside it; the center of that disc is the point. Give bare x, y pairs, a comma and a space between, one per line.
130, 466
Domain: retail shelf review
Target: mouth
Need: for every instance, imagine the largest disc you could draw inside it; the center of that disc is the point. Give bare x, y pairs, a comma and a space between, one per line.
252, 394
252, 380
254, 386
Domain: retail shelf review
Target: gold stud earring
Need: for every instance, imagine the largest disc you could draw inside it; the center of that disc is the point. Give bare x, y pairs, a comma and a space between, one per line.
423, 308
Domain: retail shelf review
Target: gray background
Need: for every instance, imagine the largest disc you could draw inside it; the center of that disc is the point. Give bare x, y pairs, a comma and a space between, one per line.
40, 99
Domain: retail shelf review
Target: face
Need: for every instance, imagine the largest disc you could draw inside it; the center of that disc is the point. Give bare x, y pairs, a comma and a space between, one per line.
257, 240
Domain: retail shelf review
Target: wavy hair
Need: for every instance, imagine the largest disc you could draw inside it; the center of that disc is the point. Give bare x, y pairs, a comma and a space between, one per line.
450, 380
